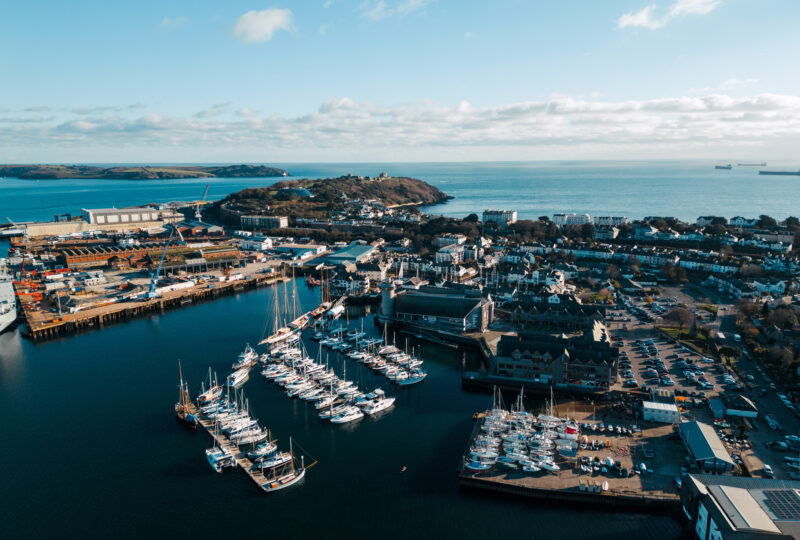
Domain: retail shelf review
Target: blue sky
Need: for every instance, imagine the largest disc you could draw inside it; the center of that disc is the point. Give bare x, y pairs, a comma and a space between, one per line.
399, 80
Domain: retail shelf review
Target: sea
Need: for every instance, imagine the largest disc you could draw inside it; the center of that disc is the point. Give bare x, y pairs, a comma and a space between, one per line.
636, 189
91, 447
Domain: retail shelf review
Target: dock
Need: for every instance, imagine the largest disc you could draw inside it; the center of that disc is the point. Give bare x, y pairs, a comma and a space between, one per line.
40, 326
241, 457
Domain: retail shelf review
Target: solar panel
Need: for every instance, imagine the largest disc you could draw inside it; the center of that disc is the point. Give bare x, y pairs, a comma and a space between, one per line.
784, 503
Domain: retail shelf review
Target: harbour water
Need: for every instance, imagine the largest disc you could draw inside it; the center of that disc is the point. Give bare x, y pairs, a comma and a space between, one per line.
92, 448
683, 189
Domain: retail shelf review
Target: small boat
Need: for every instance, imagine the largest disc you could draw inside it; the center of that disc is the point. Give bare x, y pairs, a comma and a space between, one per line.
273, 461
262, 450
246, 359
415, 377
378, 405
289, 478
349, 414
478, 466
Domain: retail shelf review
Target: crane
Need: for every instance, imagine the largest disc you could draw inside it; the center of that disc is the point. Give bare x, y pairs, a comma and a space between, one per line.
154, 275
198, 216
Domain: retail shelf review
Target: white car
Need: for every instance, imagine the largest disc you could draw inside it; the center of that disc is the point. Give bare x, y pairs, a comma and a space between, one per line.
768, 471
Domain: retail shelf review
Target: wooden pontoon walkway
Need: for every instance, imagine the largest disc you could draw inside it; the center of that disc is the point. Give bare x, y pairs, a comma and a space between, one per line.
241, 457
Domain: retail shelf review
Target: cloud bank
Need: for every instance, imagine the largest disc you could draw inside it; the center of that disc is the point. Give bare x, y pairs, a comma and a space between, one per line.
562, 125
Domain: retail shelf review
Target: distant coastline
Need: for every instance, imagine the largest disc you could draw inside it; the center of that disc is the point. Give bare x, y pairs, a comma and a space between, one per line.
58, 172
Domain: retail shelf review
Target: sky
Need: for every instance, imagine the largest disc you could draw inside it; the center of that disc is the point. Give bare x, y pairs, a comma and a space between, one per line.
398, 80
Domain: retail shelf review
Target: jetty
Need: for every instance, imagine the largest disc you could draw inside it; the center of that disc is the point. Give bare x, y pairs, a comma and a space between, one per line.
41, 326
241, 457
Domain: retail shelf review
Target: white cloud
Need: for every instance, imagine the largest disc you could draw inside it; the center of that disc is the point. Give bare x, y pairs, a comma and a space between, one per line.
469, 35
260, 26
641, 19
173, 22
342, 128
328, 3
377, 10
693, 7
653, 18
323, 29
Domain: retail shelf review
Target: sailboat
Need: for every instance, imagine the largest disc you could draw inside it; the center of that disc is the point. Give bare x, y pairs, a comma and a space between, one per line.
182, 410
280, 333
220, 457
292, 477
213, 393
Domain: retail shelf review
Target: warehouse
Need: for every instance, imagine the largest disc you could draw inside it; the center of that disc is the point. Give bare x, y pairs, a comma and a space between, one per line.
705, 448
665, 413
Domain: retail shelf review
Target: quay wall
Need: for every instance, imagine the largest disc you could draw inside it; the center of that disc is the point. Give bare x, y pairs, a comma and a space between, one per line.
122, 311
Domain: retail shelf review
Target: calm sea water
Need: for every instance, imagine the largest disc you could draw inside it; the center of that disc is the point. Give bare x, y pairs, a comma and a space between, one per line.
91, 447
684, 189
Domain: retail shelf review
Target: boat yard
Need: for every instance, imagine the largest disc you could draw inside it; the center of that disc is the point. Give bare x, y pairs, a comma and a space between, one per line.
589, 476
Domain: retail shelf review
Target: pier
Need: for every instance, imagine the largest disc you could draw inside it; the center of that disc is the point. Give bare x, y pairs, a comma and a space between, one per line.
241, 457
41, 327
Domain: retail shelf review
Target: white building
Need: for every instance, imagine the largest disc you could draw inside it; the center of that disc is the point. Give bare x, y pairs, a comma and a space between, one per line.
610, 221
502, 217
666, 413
257, 243
562, 220
451, 254
450, 239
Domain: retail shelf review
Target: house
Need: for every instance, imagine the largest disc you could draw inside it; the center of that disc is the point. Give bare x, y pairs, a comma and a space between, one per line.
450, 239
450, 254
704, 221
257, 243
743, 222
375, 272
604, 232
665, 413
768, 286
610, 221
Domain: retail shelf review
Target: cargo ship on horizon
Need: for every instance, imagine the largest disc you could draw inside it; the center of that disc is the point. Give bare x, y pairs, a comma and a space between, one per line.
781, 173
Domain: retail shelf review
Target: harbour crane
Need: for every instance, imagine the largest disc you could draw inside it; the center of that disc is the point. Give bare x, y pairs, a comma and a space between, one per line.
197, 215
154, 275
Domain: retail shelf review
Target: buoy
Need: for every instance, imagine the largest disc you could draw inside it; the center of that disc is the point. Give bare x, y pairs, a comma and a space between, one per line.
403, 469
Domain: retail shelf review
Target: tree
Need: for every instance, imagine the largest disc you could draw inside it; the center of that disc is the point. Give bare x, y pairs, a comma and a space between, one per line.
472, 218
680, 316
792, 223
612, 271
766, 222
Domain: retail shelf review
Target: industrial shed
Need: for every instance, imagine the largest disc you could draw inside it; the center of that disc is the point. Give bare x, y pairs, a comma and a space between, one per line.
705, 447
666, 413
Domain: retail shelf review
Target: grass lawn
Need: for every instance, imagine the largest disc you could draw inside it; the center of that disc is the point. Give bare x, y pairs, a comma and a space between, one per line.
698, 342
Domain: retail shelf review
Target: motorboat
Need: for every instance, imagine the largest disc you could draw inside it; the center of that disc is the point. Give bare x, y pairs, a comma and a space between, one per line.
237, 378
349, 414
220, 458
246, 359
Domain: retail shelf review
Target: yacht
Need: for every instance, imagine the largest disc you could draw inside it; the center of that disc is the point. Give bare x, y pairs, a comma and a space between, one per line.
349, 414
378, 405
246, 359
219, 458
414, 377
262, 450
237, 378
212, 394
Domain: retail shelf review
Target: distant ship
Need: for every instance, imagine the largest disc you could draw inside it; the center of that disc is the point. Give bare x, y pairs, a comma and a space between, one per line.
726, 167
781, 173
762, 164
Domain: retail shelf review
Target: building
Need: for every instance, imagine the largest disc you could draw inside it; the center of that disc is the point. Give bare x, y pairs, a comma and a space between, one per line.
744, 222
301, 251
257, 243
665, 413
604, 232
264, 222
135, 217
704, 221
740, 507
501, 217
586, 362
453, 310
610, 221
451, 254
705, 448
562, 220
450, 239
352, 254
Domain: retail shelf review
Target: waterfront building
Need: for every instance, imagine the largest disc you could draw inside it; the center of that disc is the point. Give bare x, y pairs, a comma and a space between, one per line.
301, 251
562, 220
587, 362
353, 254
562, 312
604, 232
706, 450
722, 507
257, 243
99, 218
743, 222
453, 309
704, 221
264, 222
501, 217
